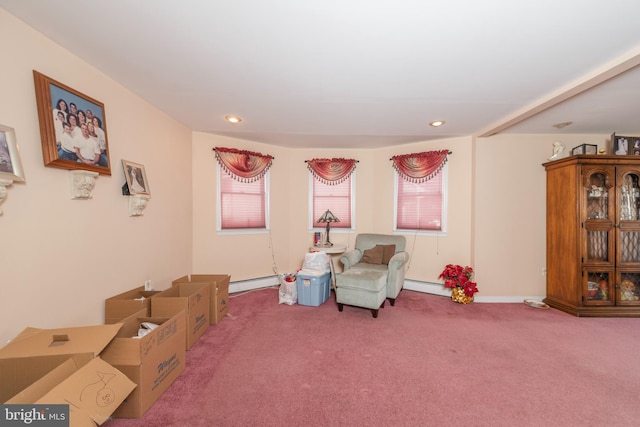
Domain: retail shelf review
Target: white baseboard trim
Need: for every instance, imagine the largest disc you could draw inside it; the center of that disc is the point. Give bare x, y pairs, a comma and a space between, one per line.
439, 289
252, 284
410, 285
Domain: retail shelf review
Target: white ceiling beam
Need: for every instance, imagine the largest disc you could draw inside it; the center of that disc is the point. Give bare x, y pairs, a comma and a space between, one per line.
600, 75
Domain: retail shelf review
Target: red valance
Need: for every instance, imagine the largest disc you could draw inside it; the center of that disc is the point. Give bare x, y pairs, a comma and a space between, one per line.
331, 171
420, 167
242, 165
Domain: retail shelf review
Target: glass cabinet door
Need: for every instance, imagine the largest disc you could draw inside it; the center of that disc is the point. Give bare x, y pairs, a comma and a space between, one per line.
628, 236
628, 291
598, 237
599, 288
629, 196
597, 196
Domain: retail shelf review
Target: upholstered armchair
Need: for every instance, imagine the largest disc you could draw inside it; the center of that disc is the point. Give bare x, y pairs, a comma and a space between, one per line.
366, 257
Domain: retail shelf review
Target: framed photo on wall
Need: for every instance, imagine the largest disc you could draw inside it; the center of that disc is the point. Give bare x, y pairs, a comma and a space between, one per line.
73, 127
10, 162
136, 177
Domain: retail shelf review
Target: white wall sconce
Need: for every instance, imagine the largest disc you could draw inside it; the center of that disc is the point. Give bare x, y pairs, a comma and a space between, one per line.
137, 203
4, 183
82, 183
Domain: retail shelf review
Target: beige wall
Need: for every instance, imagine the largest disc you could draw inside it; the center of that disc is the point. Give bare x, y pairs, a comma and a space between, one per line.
496, 206
510, 212
252, 256
60, 258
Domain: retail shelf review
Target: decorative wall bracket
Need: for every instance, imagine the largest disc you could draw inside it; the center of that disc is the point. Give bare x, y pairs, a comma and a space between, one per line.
137, 203
4, 183
82, 183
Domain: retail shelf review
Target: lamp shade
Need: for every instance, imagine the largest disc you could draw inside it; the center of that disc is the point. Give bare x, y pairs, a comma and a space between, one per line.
328, 217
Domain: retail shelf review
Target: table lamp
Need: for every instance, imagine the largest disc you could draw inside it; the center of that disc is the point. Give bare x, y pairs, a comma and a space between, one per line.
328, 217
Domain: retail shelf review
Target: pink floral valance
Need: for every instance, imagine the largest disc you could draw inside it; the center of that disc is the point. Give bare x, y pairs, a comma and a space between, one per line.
242, 165
420, 167
331, 171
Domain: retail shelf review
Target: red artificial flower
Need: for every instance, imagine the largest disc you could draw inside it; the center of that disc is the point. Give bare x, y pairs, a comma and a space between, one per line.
470, 289
456, 276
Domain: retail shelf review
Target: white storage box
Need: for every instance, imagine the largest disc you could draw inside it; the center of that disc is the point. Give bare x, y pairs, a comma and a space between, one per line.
313, 289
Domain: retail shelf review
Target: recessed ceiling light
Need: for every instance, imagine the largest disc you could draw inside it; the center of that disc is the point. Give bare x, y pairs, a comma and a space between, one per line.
233, 119
562, 125
437, 123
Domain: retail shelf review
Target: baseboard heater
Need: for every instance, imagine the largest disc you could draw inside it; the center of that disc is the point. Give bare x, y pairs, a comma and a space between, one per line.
410, 285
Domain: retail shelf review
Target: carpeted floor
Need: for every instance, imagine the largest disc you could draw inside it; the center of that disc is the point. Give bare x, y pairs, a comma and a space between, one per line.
425, 362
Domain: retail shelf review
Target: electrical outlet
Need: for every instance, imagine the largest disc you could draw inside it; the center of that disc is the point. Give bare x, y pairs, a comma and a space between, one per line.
544, 271
147, 285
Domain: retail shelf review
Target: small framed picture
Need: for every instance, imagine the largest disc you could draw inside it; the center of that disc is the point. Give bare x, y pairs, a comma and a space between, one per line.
636, 146
136, 177
10, 162
625, 145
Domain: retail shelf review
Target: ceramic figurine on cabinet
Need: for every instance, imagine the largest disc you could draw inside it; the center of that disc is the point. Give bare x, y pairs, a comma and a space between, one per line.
558, 150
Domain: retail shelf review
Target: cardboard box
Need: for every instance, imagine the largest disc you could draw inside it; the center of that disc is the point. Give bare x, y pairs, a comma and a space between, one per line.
219, 293
60, 341
313, 290
153, 361
61, 366
27, 379
123, 305
193, 298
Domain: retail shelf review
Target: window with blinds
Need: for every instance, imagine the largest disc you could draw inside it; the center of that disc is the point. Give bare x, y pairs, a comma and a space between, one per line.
242, 205
422, 206
337, 198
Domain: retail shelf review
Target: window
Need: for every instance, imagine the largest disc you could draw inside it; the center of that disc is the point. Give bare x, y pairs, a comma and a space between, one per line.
337, 198
421, 207
242, 205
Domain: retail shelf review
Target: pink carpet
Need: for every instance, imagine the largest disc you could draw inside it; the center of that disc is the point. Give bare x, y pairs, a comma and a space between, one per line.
425, 362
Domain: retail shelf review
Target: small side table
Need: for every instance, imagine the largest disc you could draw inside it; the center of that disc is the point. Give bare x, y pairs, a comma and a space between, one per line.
330, 250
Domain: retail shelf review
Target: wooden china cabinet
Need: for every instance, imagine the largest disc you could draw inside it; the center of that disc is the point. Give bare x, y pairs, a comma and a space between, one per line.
593, 235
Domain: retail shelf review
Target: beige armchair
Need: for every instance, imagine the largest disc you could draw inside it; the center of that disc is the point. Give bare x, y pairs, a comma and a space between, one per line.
373, 271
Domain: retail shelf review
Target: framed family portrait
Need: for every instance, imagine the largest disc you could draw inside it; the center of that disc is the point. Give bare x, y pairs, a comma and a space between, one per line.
136, 177
10, 162
73, 127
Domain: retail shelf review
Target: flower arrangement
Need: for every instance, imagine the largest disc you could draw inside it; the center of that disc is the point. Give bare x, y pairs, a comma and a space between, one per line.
455, 276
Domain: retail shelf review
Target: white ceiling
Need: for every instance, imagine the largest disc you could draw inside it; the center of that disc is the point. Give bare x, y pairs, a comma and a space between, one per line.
362, 73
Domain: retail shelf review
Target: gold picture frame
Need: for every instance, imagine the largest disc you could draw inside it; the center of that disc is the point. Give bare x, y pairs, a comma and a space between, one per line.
136, 177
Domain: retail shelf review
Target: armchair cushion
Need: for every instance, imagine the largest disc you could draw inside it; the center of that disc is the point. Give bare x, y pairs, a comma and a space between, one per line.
373, 256
388, 252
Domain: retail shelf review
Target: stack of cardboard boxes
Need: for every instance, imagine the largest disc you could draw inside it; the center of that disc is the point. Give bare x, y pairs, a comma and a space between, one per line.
218, 293
107, 370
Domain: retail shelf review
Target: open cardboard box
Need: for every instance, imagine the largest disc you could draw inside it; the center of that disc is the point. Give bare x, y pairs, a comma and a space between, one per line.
61, 366
152, 361
123, 305
219, 293
193, 299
